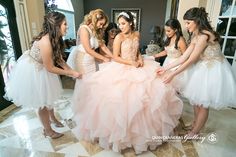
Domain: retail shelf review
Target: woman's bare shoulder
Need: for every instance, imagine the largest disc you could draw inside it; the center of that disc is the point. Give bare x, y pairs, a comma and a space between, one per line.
44, 41
119, 37
137, 34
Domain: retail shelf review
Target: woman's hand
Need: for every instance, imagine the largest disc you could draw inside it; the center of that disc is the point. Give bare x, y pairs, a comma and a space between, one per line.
156, 55
140, 61
161, 70
168, 77
75, 74
135, 64
106, 60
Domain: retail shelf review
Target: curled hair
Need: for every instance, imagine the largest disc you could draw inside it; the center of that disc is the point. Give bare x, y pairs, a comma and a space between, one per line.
110, 26
51, 26
175, 25
129, 18
200, 17
93, 17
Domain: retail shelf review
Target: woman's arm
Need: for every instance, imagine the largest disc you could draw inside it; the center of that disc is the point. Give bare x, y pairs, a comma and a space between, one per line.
160, 54
46, 53
84, 39
140, 59
65, 66
182, 46
116, 53
200, 46
106, 50
181, 59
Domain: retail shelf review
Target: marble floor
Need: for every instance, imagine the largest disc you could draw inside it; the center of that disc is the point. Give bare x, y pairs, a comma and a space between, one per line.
21, 136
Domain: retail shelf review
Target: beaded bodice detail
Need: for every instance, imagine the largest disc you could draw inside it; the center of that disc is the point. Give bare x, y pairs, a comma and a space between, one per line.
34, 53
212, 52
34, 56
172, 51
129, 49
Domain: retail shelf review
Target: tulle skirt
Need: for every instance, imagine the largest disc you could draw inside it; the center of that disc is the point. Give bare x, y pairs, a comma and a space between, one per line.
123, 106
180, 81
169, 60
31, 85
211, 85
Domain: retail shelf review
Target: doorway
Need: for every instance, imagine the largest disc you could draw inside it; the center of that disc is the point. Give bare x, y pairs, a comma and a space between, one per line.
10, 49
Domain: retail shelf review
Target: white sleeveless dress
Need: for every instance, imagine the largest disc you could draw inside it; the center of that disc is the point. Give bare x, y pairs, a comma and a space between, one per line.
172, 55
30, 84
212, 83
79, 59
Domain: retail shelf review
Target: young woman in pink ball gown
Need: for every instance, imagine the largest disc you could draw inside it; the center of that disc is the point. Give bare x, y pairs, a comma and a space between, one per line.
124, 104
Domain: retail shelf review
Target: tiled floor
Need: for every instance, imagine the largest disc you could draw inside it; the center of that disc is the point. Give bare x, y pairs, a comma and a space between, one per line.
21, 136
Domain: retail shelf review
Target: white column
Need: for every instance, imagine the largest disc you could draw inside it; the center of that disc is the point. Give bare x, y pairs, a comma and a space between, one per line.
23, 23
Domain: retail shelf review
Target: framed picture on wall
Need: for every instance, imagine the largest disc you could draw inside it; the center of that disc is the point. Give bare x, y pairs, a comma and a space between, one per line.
136, 12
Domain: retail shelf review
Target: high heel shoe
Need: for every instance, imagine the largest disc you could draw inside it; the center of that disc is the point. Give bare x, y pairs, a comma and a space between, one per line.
52, 135
57, 124
189, 127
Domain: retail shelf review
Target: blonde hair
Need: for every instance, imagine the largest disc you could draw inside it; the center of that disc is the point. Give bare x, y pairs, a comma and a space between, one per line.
93, 17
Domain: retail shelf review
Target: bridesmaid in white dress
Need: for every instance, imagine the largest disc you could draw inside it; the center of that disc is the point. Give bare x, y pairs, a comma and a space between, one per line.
212, 83
89, 38
175, 46
34, 81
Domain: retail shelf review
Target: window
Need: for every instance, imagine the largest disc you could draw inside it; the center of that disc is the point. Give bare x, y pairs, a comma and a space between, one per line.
226, 26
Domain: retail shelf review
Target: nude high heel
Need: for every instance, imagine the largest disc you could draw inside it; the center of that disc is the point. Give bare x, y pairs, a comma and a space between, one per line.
57, 124
52, 135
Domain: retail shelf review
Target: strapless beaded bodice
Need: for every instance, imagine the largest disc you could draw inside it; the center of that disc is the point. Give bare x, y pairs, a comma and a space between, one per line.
212, 52
129, 49
34, 53
172, 51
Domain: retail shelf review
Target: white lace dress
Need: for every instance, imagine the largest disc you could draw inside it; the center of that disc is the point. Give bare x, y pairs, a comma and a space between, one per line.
79, 59
30, 84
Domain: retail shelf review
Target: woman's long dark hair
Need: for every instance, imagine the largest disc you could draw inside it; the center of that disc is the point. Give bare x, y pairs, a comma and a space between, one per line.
51, 26
110, 26
175, 25
200, 17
